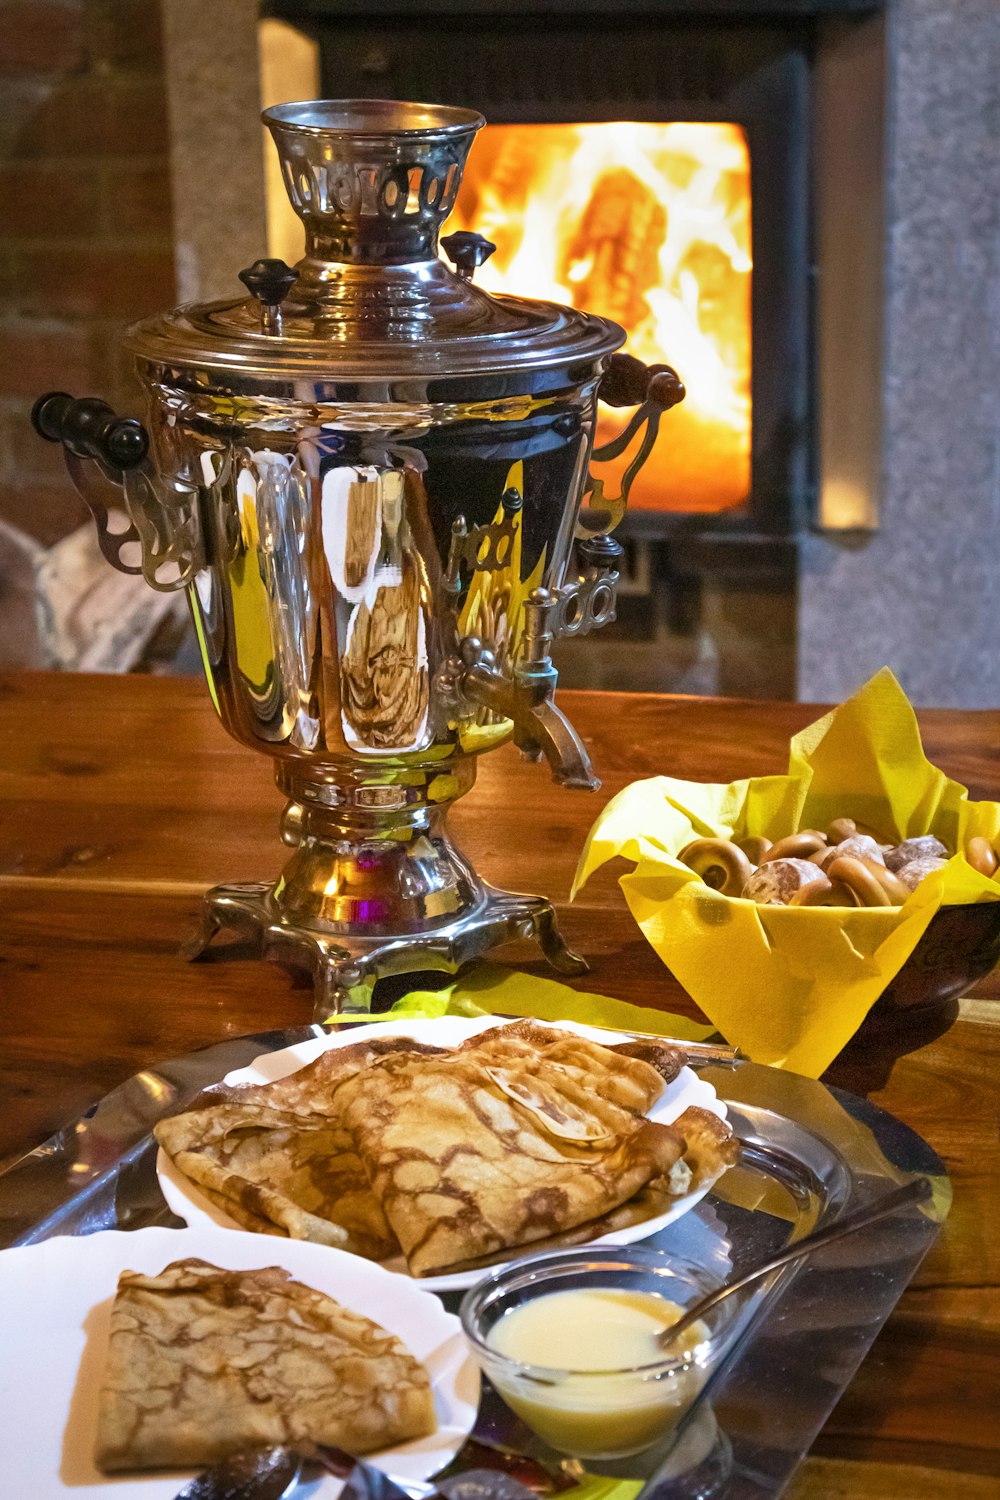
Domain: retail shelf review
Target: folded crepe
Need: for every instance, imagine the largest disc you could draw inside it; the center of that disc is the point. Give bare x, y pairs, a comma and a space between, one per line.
635, 1071
631, 1074
204, 1362
485, 1150
710, 1148
310, 1091
280, 1173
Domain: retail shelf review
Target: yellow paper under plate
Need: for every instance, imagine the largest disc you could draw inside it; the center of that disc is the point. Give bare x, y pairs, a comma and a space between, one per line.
790, 986
492, 990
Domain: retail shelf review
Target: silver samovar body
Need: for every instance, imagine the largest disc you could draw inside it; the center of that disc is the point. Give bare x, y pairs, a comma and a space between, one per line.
368, 477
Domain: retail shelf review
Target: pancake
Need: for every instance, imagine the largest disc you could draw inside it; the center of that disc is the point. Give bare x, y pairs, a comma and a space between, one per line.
632, 1074
310, 1091
485, 1150
524, 1134
709, 1145
204, 1362
290, 1175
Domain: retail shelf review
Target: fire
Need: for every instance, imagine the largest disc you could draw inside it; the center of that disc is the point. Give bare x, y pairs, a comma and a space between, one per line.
649, 225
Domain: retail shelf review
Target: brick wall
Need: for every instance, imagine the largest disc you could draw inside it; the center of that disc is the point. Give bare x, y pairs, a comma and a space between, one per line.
85, 224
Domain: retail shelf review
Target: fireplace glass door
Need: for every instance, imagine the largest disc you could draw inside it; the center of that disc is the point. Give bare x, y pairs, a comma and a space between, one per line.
648, 224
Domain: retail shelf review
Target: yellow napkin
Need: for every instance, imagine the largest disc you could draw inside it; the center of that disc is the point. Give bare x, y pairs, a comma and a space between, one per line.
790, 986
490, 990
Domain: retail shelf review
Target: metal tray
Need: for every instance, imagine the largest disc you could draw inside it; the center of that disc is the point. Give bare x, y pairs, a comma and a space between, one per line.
809, 1152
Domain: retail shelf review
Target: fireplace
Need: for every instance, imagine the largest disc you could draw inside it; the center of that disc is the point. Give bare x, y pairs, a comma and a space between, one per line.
648, 224
869, 534
659, 164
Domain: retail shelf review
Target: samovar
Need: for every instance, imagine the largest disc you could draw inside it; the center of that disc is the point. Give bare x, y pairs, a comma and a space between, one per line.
368, 475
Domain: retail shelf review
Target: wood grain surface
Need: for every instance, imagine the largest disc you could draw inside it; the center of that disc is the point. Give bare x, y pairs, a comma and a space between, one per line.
121, 800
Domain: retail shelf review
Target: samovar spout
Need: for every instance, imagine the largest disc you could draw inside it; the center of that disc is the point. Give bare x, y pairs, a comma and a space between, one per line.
526, 699
552, 735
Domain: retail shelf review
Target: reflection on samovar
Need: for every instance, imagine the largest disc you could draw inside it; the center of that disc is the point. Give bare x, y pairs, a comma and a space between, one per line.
368, 477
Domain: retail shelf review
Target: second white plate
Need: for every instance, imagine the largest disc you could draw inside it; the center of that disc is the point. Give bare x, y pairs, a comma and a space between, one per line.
56, 1298
447, 1031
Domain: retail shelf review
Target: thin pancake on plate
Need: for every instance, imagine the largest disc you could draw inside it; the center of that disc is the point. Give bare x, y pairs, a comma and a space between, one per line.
480, 1150
281, 1173
205, 1362
310, 1090
709, 1149
632, 1074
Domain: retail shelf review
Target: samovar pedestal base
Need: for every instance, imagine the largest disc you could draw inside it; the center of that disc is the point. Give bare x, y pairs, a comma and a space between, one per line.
345, 968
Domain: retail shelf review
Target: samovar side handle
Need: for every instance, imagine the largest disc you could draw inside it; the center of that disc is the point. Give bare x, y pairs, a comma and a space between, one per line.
107, 460
653, 389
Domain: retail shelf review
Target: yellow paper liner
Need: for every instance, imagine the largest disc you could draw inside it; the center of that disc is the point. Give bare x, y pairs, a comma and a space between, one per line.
790, 986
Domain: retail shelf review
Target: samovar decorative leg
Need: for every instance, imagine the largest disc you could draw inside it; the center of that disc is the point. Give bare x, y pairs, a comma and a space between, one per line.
344, 969
239, 906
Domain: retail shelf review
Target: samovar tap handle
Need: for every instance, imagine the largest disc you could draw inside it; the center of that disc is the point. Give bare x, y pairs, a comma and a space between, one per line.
628, 382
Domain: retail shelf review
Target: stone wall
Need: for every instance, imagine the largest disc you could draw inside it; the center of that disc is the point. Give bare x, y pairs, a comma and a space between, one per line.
87, 234
87, 248
921, 594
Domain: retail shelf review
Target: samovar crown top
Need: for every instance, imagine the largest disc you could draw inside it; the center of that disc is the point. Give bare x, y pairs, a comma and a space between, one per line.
373, 181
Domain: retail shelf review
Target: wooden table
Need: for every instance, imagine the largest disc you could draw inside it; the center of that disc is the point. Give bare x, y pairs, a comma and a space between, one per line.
122, 800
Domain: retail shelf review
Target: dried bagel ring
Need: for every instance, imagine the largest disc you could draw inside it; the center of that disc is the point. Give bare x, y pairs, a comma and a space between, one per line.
825, 893
981, 856
890, 883
861, 881
721, 864
841, 829
796, 846
754, 847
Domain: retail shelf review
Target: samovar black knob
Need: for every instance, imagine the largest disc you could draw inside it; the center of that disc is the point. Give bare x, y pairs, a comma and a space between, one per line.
627, 381
90, 428
269, 281
467, 251
599, 554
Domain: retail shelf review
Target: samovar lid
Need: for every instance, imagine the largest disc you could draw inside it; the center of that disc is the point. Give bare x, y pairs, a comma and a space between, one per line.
373, 181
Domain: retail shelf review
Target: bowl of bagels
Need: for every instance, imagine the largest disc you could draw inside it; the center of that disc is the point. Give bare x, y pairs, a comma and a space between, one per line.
848, 865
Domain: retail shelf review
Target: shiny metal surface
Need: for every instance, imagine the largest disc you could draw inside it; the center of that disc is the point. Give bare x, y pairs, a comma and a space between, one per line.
368, 477
917, 1191
810, 1154
373, 181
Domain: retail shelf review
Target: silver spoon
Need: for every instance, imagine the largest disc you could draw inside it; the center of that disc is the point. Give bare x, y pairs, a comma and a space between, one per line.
257, 1474
917, 1191
275, 1474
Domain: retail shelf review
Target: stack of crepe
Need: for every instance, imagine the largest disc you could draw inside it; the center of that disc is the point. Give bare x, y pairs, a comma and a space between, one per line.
524, 1135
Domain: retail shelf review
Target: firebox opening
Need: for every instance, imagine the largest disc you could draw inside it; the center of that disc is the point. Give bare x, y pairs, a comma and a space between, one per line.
648, 224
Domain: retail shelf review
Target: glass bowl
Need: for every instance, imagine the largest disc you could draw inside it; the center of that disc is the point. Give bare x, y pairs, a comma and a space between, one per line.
606, 1413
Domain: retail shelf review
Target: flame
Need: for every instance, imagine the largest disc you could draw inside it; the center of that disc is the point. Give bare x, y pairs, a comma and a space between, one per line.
648, 225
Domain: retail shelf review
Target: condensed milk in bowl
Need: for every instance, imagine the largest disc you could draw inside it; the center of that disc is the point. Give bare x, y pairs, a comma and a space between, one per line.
571, 1341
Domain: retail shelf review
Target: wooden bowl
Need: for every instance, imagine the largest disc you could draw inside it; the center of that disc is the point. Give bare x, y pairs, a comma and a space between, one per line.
961, 944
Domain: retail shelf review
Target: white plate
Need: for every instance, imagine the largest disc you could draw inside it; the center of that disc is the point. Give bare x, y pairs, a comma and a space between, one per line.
56, 1303
447, 1031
